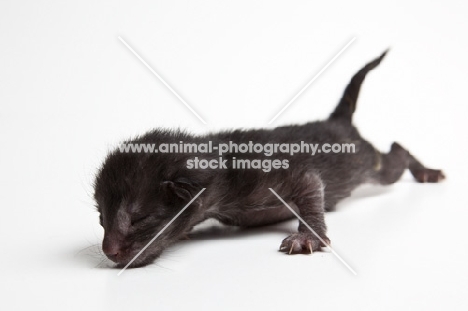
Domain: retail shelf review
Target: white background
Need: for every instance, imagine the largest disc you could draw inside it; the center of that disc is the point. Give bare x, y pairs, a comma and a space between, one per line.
69, 88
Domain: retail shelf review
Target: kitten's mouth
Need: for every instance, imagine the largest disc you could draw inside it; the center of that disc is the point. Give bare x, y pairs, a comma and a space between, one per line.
118, 254
139, 261
119, 258
122, 253
122, 258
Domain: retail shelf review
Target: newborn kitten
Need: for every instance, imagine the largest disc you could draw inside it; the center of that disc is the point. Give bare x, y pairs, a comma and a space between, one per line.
137, 194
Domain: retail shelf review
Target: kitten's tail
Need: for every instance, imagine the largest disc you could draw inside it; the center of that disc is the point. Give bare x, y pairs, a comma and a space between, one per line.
347, 105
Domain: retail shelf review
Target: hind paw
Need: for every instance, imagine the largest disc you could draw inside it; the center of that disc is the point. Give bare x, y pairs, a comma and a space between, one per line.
302, 243
427, 175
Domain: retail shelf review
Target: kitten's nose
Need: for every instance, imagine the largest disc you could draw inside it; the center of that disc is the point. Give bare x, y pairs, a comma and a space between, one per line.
111, 246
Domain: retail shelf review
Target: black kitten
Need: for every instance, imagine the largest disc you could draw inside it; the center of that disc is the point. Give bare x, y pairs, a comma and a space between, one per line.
137, 194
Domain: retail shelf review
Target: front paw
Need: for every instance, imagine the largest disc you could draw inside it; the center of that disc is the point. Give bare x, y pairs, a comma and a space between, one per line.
303, 243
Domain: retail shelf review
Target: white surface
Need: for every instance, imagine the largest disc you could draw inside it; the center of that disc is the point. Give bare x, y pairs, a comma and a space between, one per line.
69, 88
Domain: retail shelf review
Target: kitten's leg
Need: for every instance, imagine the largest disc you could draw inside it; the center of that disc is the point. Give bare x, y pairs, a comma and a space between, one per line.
423, 174
308, 196
397, 160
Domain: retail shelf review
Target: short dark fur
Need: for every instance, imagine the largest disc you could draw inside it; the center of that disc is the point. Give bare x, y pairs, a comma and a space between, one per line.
138, 193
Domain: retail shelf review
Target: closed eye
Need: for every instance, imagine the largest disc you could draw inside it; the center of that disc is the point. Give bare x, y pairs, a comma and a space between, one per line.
138, 219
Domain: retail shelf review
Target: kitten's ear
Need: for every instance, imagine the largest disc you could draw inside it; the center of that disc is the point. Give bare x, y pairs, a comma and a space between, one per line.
181, 187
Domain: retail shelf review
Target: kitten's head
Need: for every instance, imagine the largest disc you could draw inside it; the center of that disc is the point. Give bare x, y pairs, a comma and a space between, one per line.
137, 195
